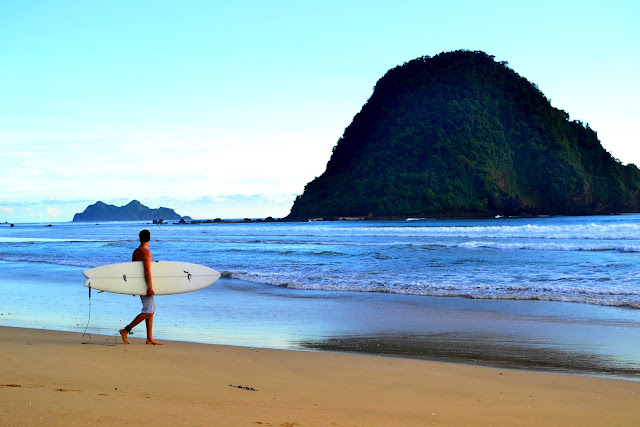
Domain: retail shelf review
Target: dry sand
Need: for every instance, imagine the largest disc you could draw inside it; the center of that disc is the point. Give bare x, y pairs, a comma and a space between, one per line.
49, 377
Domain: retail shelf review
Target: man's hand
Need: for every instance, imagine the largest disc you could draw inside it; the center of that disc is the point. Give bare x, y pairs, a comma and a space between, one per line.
150, 292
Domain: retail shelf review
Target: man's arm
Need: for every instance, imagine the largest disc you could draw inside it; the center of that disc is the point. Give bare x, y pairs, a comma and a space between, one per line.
147, 276
144, 255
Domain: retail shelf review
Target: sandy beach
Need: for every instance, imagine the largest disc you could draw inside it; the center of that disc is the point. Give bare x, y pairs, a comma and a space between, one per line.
50, 377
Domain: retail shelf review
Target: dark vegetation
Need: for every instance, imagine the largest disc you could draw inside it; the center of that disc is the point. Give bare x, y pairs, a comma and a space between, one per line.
460, 134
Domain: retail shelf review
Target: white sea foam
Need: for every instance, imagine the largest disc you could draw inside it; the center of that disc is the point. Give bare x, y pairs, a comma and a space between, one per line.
534, 246
560, 292
579, 231
87, 263
5, 239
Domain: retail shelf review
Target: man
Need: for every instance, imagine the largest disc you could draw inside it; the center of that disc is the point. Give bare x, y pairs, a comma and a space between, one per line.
142, 253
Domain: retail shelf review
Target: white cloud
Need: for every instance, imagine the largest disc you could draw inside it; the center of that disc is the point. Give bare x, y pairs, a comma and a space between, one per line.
33, 214
53, 212
5, 209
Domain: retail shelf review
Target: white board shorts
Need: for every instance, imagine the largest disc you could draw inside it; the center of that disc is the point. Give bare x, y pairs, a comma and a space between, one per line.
148, 304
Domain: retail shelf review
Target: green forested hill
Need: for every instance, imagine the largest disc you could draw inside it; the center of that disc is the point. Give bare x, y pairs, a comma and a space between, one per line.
461, 134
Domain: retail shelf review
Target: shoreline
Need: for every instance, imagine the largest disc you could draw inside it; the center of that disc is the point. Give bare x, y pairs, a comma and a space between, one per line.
187, 220
528, 335
431, 349
51, 376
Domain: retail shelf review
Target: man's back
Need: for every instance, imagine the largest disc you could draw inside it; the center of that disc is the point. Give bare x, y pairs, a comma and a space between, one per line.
142, 253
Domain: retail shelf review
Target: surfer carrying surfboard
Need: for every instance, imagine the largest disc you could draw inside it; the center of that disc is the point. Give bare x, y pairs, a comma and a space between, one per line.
142, 253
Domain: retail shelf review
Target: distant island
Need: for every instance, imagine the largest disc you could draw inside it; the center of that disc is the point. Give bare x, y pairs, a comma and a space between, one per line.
133, 211
462, 135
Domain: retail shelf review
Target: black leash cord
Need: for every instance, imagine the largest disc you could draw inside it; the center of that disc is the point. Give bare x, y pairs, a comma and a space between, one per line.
89, 320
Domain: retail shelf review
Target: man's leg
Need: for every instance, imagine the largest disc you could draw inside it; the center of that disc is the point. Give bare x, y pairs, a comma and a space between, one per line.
149, 323
139, 318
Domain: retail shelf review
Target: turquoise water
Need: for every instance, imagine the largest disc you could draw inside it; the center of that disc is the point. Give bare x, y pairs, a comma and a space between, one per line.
515, 291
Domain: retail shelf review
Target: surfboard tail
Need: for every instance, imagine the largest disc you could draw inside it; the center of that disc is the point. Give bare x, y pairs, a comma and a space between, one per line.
87, 283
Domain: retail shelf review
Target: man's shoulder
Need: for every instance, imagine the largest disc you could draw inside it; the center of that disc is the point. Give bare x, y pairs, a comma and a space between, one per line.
142, 254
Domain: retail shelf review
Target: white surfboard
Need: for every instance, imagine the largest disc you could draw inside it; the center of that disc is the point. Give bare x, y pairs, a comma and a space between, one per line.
169, 277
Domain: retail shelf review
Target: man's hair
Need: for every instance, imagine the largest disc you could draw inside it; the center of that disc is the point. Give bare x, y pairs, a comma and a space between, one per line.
145, 236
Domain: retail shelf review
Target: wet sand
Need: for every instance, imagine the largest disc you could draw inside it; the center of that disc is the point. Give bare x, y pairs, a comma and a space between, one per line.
482, 349
531, 335
51, 377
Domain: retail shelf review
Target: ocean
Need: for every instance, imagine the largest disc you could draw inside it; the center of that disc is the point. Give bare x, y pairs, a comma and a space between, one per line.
557, 293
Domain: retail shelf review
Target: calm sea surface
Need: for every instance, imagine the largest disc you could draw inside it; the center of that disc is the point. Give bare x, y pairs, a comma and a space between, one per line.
288, 283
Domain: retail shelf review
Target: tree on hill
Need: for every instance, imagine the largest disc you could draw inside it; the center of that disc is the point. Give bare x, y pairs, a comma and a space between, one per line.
463, 134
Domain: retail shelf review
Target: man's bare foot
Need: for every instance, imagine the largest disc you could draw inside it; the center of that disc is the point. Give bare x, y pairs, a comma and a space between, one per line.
123, 334
154, 342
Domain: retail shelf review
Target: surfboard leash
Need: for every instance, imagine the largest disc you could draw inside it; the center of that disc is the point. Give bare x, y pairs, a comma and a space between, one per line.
89, 320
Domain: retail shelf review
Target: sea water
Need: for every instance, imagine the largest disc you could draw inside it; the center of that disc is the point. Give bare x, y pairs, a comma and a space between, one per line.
285, 284
591, 260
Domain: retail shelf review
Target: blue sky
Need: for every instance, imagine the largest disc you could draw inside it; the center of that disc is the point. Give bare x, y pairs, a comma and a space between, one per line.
227, 109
